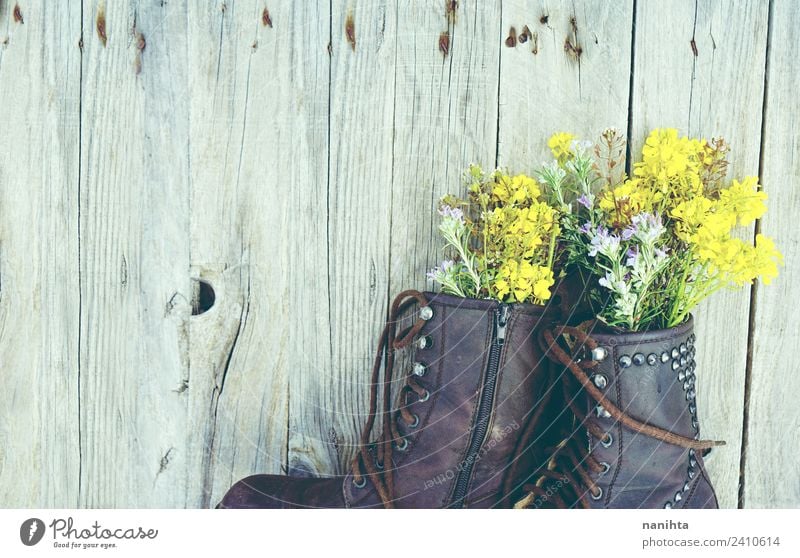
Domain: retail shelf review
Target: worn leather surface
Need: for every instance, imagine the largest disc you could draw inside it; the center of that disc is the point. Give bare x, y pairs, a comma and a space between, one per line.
645, 472
461, 331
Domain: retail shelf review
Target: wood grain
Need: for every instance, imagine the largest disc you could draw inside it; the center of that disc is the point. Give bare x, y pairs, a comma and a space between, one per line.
571, 75
40, 454
134, 254
700, 90
445, 118
362, 90
771, 476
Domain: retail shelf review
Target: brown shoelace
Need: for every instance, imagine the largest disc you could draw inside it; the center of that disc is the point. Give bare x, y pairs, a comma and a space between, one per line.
383, 477
570, 460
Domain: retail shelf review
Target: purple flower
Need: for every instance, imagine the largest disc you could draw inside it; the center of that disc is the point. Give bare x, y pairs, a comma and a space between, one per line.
633, 256
451, 212
647, 227
604, 243
628, 233
661, 254
586, 227
585, 201
442, 269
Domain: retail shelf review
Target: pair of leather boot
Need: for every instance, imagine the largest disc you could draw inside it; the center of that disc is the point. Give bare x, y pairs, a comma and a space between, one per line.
501, 407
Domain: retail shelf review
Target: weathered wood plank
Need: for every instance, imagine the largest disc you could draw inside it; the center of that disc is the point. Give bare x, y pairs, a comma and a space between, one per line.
446, 80
362, 94
564, 67
259, 196
772, 479
134, 254
39, 90
690, 60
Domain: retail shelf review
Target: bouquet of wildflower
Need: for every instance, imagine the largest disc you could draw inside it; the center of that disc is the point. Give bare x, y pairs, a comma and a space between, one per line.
501, 240
651, 246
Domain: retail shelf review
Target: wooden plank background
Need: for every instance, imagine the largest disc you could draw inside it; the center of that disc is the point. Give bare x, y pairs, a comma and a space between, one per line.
288, 156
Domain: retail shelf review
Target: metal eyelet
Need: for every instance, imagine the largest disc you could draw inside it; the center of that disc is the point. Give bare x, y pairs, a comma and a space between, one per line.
426, 313
362, 484
607, 440
599, 354
601, 412
416, 421
378, 465
425, 342
606, 468
401, 446
598, 495
424, 398
419, 369
668, 506
600, 380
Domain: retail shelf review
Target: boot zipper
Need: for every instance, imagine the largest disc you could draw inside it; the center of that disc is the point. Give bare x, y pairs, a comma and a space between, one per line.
484, 407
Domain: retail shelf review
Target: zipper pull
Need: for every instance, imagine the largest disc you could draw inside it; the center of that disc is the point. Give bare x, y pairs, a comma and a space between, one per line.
501, 319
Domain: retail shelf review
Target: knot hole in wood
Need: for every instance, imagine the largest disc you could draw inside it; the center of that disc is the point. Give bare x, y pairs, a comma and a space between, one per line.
203, 297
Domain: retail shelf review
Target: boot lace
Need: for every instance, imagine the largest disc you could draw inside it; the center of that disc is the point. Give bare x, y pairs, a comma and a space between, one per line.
570, 461
371, 457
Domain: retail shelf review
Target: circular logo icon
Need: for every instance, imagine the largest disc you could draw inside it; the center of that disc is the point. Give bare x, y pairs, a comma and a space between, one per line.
31, 531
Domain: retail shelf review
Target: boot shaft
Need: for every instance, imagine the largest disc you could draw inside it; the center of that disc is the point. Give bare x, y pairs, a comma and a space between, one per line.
651, 376
482, 374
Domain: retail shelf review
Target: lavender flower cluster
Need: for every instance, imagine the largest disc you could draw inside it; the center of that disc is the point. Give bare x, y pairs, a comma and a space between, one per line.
631, 260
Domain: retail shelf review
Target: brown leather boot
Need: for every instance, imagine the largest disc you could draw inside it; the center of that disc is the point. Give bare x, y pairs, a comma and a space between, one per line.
463, 432
631, 398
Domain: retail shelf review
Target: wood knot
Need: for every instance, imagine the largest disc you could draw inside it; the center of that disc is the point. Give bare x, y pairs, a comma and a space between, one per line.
511, 40
266, 20
350, 31
100, 25
444, 43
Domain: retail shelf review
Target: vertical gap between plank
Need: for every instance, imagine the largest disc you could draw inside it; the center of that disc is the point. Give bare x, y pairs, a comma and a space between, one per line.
499, 76
629, 131
328, 195
389, 286
754, 288
80, 279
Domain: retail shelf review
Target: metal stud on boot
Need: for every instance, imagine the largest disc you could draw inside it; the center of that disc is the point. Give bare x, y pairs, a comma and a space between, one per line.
461, 433
632, 439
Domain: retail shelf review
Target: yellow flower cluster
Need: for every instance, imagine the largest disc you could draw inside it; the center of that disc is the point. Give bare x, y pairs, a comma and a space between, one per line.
509, 248
658, 241
516, 190
519, 230
521, 279
560, 145
706, 226
672, 170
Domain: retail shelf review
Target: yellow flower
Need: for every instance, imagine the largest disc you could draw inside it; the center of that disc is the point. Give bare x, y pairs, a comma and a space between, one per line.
628, 199
521, 279
666, 156
744, 199
518, 190
560, 145
692, 212
766, 259
542, 283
